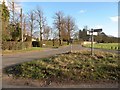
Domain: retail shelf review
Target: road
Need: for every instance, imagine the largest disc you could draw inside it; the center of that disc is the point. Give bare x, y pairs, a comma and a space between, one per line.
8, 60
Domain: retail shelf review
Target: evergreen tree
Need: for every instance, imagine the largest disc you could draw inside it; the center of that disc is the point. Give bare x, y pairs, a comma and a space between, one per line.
5, 22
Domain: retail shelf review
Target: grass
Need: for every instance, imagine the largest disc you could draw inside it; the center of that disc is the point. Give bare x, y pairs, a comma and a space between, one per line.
109, 46
20, 51
75, 67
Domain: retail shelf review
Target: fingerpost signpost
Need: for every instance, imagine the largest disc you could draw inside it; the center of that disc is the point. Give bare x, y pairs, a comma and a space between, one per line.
93, 32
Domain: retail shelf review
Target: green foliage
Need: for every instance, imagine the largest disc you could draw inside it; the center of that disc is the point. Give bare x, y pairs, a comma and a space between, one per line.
76, 66
9, 31
15, 32
105, 39
5, 37
5, 21
5, 12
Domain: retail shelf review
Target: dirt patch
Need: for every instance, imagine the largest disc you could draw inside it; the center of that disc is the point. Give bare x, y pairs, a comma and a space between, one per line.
9, 80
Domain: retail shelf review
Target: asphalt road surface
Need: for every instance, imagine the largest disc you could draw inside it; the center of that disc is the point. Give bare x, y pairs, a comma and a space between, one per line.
8, 60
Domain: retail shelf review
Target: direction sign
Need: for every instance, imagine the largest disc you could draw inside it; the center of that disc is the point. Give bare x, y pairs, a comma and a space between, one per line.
97, 30
90, 33
93, 32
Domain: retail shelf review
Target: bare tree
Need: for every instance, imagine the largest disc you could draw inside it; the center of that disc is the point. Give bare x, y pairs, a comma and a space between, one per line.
41, 22
54, 36
14, 9
31, 20
16, 16
25, 25
46, 32
70, 27
58, 22
63, 29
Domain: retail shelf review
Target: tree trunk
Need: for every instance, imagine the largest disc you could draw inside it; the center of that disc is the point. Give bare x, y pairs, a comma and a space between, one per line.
53, 42
40, 37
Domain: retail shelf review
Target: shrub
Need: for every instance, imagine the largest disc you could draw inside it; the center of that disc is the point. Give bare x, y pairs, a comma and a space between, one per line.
12, 45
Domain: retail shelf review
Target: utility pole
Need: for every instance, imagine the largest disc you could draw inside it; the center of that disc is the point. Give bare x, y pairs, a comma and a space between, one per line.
24, 26
21, 24
13, 10
32, 18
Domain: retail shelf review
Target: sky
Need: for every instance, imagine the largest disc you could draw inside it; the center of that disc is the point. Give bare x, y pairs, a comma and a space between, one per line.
93, 14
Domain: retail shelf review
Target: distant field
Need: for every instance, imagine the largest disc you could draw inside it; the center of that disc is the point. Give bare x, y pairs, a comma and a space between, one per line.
110, 46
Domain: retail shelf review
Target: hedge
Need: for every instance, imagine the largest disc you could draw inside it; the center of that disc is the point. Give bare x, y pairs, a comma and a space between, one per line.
12, 45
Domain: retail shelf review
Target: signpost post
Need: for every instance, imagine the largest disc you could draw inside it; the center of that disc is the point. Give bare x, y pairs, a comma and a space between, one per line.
93, 32
92, 42
71, 41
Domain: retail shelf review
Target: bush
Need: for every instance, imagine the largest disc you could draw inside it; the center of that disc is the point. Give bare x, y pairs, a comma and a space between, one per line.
12, 45
35, 43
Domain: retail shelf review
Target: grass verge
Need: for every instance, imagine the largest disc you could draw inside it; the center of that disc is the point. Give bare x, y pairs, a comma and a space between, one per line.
20, 51
70, 67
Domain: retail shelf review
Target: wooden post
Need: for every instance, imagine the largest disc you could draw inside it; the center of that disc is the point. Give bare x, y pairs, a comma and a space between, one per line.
13, 11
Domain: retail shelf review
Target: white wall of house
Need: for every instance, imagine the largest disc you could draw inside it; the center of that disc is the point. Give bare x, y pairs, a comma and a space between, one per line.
33, 39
